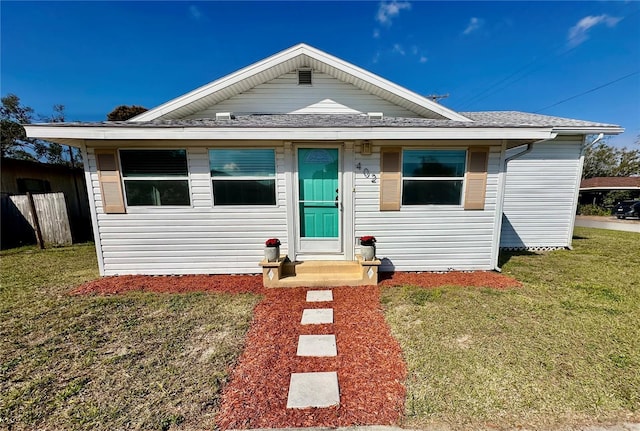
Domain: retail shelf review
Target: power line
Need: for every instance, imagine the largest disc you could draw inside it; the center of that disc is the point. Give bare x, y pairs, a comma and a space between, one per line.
588, 91
487, 92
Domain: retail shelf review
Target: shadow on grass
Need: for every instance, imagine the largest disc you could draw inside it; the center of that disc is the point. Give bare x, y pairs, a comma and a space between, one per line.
579, 237
506, 255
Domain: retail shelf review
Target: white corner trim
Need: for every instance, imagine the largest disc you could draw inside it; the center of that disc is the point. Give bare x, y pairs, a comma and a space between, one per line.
92, 207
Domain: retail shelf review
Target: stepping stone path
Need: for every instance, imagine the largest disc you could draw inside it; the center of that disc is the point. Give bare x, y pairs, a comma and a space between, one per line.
318, 389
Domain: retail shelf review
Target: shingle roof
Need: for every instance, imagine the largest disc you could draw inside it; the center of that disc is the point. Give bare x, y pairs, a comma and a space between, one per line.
499, 119
611, 183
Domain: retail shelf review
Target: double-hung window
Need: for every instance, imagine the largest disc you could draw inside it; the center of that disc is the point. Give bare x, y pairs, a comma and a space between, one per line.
433, 177
155, 177
243, 176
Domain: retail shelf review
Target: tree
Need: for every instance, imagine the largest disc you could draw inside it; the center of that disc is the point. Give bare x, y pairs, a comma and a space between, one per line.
124, 112
603, 160
13, 138
15, 143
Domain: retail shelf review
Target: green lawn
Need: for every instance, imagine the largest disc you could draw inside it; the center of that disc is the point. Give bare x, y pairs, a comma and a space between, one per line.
563, 350
134, 361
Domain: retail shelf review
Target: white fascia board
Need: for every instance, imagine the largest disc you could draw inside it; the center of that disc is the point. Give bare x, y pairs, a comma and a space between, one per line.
283, 56
217, 85
53, 133
382, 83
588, 130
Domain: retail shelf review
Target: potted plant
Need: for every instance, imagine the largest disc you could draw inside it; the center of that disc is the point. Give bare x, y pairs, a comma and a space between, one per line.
368, 247
272, 250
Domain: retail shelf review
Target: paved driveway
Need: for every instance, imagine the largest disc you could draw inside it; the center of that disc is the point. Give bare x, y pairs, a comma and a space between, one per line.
608, 222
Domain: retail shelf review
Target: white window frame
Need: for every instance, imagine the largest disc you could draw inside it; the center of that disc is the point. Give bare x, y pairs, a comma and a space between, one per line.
274, 178
124, 178
462, 178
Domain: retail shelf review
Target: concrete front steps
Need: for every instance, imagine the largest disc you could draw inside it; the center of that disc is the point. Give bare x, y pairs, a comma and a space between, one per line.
319, 273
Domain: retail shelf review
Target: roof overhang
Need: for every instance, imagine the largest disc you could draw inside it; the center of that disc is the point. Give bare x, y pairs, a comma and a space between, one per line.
586, 189
76, 134
298, 56
588, 130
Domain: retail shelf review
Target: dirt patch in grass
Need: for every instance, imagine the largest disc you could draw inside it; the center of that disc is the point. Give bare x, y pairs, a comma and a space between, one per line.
172, 284
369, 364
453, 278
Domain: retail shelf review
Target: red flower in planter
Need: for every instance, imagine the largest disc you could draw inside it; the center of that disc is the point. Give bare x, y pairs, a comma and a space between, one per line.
368, 240
272, 242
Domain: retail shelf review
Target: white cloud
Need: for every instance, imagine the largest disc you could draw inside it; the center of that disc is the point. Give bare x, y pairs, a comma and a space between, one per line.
398, 49
423, 59
195, 13
474, 24
388, 11
580, 32
376, 33
376, 57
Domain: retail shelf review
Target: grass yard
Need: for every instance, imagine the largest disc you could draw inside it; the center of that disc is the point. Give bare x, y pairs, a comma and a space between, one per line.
132, 361
563, 350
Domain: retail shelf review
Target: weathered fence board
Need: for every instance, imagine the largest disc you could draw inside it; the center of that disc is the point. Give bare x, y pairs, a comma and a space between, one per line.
51, 210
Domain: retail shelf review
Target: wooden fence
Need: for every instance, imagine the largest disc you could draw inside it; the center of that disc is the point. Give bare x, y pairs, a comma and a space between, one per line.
43, 216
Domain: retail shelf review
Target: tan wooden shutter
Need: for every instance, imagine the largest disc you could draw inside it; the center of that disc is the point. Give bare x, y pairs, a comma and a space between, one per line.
109, 177
390, 179
476, 187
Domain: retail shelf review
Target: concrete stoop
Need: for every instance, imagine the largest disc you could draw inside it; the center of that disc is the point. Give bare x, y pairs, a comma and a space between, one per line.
319, 273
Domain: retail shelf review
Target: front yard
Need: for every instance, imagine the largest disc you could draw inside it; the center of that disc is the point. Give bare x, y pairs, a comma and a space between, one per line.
562, 350
132, 361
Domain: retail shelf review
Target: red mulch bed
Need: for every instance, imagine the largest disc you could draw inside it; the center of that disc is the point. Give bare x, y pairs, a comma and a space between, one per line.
454, 278
370, 367
253, 283
172, 284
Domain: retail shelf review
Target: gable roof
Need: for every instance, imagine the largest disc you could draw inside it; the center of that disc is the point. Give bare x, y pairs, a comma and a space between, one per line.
610, 183
298, 56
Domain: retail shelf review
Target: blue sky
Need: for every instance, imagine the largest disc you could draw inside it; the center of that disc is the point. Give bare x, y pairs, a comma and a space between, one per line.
526, 56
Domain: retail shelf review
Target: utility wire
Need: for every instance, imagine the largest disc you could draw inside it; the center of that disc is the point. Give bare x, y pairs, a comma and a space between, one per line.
487, 91
496, 87
588, 91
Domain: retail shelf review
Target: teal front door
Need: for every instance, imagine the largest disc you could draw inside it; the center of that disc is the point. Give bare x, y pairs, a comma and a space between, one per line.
319, 203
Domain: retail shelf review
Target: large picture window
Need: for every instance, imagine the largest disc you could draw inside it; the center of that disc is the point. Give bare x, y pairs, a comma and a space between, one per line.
432, 177
243, 176
155, 177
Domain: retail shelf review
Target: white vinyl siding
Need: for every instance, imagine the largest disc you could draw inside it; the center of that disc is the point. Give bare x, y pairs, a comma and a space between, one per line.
539, 201
425, 237
283, 95
201, 239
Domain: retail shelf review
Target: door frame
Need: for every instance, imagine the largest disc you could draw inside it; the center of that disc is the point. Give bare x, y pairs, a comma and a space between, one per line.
345, 213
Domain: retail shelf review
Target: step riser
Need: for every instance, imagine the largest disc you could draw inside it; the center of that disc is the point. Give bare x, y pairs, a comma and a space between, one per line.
310, 268
284, 273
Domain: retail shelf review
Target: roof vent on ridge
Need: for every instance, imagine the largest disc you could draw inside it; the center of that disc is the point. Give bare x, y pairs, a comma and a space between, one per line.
375, 115
304, 77
223, 116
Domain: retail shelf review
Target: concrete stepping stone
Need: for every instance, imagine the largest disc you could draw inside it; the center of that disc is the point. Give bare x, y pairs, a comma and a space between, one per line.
317, 316
319, 295
313, 390
317, 345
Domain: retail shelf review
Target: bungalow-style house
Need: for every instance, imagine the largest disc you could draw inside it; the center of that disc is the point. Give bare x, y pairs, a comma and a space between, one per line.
317, 152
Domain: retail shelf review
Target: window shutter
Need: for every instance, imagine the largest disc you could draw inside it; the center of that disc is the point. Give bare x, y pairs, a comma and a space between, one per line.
390, 179
476, 187
110, 186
